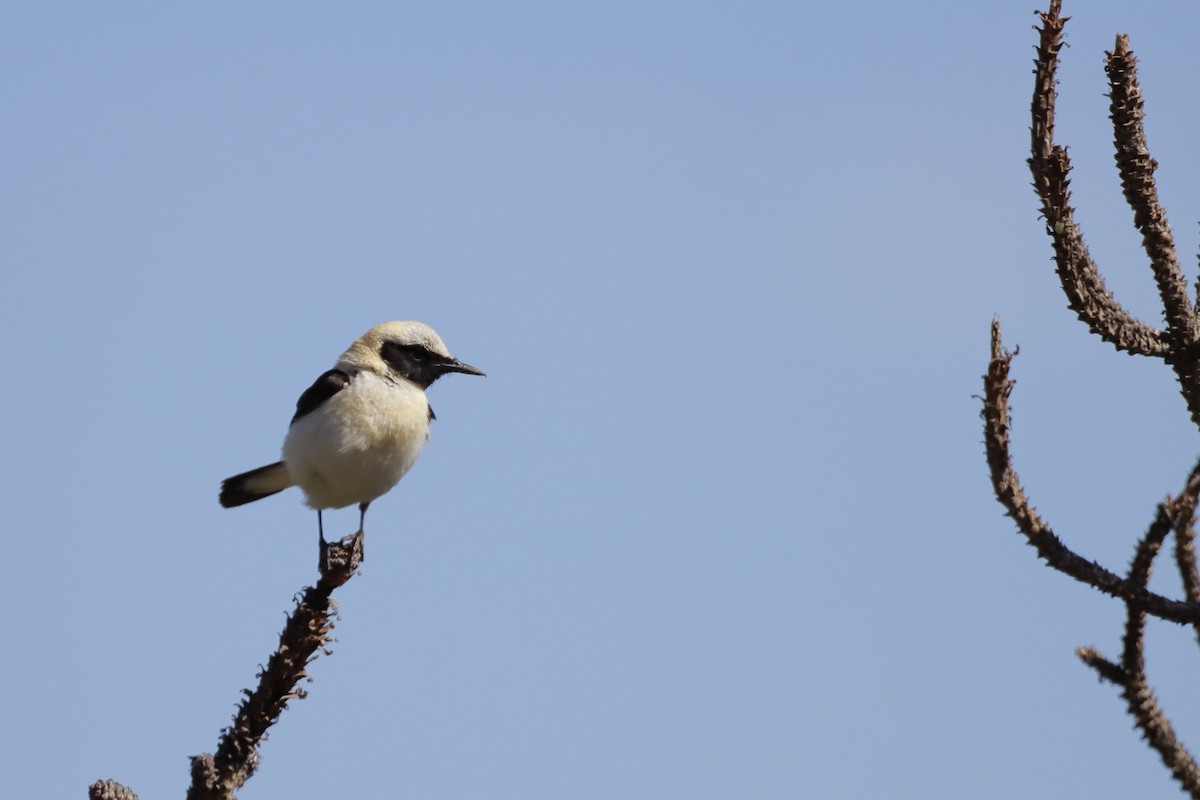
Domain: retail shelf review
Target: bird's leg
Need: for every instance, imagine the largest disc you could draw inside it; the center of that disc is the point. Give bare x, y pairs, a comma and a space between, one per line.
320, 527
362, 514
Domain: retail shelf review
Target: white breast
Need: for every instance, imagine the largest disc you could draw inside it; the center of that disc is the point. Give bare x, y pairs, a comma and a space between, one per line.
358, 444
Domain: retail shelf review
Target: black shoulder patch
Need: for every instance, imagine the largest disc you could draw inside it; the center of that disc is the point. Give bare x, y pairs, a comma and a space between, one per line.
325, 387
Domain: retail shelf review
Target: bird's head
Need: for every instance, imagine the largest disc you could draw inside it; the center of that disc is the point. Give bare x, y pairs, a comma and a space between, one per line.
409, 350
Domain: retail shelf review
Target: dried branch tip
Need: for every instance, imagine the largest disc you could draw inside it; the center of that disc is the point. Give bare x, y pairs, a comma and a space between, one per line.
339, 561
110, 790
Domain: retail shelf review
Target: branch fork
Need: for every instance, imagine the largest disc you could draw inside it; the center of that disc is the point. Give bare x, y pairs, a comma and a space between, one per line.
1178, 345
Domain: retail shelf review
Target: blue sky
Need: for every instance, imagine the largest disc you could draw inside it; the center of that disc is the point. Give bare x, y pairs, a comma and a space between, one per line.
717, 522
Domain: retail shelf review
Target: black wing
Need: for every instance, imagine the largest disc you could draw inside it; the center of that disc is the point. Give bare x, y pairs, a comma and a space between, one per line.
325, 387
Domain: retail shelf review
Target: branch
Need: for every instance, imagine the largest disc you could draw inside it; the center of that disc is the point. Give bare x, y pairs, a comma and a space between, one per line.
1178, 345
1106, 669
1050, 166
1136, 168
1007, 486
306, 634
1147, 713
1130, 675
110, 790
1139, 697
1185, 558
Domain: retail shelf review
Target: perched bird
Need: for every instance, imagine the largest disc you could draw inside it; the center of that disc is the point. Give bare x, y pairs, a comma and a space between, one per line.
360, 426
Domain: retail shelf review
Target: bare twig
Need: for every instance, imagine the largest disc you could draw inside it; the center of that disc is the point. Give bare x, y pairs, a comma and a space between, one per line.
110, 790
1007, 485
1050, 166
1178, 345
1136, 168
1185, 558
1171, 515
1139, 697
1106, 669
1130, 675
306, 634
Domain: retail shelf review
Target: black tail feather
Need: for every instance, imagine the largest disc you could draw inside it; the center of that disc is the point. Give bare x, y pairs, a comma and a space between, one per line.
254, 485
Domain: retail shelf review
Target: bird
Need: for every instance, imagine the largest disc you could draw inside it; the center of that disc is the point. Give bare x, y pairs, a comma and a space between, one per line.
360, 426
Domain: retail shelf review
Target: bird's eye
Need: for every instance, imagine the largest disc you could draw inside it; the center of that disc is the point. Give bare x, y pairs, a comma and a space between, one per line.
417, 353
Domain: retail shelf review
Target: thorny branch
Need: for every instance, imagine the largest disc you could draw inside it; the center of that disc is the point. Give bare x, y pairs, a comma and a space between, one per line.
110, 790
1136, 168
997, 386
306, 634
1178, 345
1086, 293
1130, 676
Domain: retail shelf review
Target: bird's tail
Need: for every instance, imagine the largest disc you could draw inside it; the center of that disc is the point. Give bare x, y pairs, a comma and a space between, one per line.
255, 485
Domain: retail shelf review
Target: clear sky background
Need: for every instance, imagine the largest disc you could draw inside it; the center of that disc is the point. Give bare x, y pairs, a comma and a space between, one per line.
716, 524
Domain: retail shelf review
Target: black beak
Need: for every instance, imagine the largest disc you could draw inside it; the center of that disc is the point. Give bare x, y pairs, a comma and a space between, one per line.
454, 365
